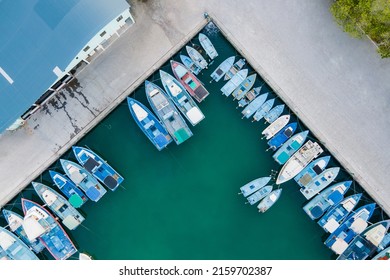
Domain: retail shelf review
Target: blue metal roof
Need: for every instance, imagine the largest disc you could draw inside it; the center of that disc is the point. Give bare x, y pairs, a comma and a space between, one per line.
38, 35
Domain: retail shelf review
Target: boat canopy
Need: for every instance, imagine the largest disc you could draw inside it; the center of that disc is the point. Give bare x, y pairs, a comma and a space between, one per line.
75, 174
173, 88
75, 200
6, 240
14, 221
49, 197
316, 211
180, 71
195, 115
181, 135
32, 227
273, 197
349, 204
376, 235
359, 225
335, 197
331, 225
339, 246
139, 112
91, 165
71, 222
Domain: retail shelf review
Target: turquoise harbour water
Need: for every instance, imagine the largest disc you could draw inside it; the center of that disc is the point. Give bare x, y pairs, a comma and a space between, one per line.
182, 203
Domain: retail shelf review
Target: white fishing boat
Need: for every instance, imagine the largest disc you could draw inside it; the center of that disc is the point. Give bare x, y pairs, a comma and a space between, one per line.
269, 200
259, 194
251, 108
276, 126
181, 98
221, 70
234, 69
299, 160
254, 186
190, 64
249, 96
207, 46
234, 82
244, 87
59, 205
263, 110
197, 58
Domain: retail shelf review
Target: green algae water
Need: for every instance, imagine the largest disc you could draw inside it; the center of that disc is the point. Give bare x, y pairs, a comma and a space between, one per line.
183, 203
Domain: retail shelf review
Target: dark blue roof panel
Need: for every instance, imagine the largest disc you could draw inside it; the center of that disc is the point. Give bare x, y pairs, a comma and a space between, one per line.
38, 35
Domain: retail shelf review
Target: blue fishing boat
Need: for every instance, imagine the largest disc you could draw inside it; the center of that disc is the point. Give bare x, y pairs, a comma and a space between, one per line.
84, 180
207, 46
181, 98
337, 213
383, 255
275, 127
313, 169
263, 110
254, 185
251, 108
282, 136
353, 225
259, 194
269, 200
249, 96
274, 113
197, 58
14, 248
330, 196
365, 244
15, 223
234, 69
190, 64
70, 217
167, 113
75, 196
98, 167
244, 87
39, 223
290, 147
234, 82
320, 182
149, 124
221, 70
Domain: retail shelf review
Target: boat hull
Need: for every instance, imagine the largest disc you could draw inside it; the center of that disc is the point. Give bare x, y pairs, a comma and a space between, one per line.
167, 113
149, 124
190, 82
56, 240
221, 70
98, 167
332, 195
181, 98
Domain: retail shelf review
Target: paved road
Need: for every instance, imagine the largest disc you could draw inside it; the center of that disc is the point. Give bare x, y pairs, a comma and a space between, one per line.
337, 85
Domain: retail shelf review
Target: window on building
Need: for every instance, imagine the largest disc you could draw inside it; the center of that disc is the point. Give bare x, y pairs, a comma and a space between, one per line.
86, 48
103, 33
119, 18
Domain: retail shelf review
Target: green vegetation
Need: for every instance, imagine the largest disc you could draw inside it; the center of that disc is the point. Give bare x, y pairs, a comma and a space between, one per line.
365, 17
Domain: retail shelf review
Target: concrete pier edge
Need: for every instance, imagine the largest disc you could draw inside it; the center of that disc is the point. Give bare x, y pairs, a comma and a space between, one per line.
289, 102
121, 97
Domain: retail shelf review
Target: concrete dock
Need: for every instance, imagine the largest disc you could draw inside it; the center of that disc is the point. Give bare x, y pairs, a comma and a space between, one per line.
338, 86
